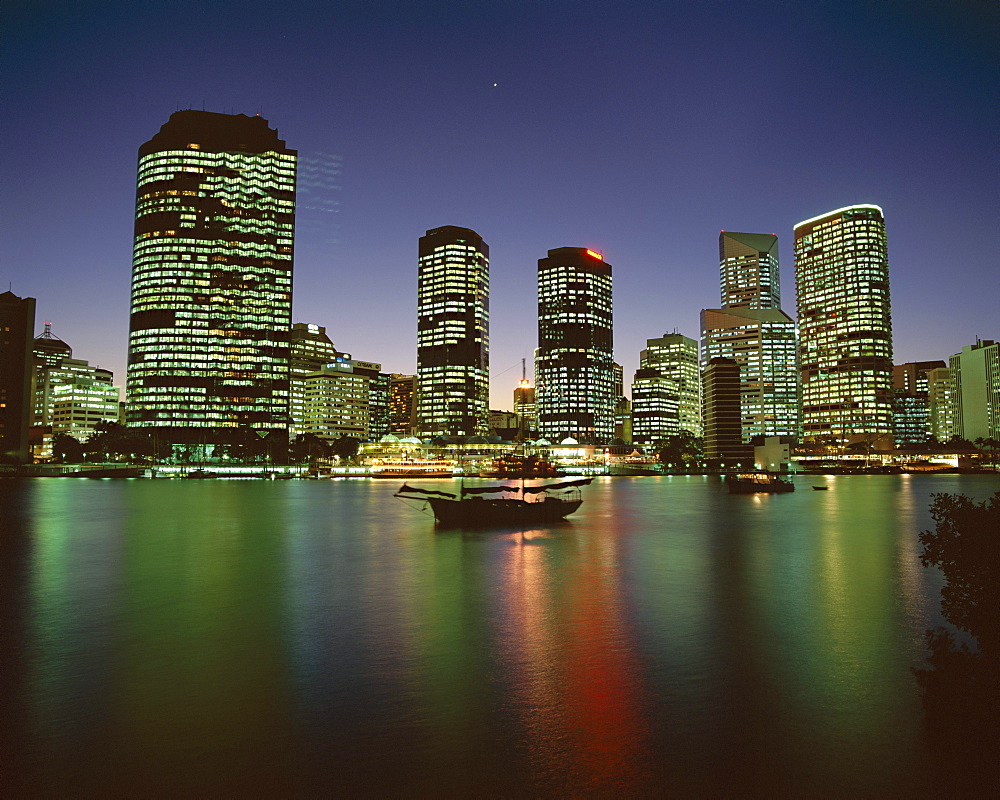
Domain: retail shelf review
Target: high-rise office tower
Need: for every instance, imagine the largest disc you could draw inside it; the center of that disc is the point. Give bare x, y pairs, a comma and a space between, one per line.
941, 403
574, 362
526, 407
212, 275
976, 374
17, 329
748, 266
675, 357
751, 329
69, 395
655, 406
845, 327
722, 400
910, 402
402, 404
453, 333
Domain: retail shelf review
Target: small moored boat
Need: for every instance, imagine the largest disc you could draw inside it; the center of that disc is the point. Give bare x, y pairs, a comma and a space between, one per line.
516, 505
753, 482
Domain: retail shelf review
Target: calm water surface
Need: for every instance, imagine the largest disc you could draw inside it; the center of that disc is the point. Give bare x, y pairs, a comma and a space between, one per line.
251, 638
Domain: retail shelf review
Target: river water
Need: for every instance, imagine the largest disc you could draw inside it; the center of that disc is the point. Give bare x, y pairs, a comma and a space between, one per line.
283, 638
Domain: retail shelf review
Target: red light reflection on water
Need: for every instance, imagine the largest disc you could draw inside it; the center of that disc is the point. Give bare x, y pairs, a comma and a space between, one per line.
575, 676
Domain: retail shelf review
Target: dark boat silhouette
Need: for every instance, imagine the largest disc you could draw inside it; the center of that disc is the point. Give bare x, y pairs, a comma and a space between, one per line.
517, 505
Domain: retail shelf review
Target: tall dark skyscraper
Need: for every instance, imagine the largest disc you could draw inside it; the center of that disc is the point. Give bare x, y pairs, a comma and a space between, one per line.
574, 362
212, 275
751, 329
845, 325
453, 333
17, 332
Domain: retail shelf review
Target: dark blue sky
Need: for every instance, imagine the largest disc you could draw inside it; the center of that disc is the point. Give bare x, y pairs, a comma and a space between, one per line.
638, 129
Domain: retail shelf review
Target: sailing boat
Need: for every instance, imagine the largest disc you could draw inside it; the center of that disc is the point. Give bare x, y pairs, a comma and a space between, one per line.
517, 505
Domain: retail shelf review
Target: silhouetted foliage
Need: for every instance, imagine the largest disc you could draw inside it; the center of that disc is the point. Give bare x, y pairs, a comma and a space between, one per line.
961, 690
307, 446
680, 450
66, 449
346, 447
112, 441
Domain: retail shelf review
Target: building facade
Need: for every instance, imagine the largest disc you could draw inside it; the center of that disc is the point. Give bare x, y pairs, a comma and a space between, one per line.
675, 357
655, 408
212, 276
941, 404
402, 404
910, 402
845, 327
70, 396
574, 362
976, 375
721, 414
333, 394
748, 270
17, 330
526, 407
453, 344
751, 329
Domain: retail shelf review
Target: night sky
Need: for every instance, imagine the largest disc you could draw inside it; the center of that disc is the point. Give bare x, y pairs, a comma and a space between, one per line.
637, 129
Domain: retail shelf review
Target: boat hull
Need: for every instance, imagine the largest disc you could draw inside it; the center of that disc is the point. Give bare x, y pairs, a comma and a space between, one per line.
481, 512
759, 484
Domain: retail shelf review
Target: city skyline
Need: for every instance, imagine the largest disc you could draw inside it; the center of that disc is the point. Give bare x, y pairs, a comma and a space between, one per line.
631, 145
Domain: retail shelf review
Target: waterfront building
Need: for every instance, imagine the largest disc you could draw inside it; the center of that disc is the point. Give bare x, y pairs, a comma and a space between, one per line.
333, 394
379, 385
17, 329
526, 407
574, 362
845, 327
333, 402
655, 412
722, 411
453, 285
212, 277
402, 404
675, 357
910, 403
751, 329
976, 374
310, 350
941, 403
69, 396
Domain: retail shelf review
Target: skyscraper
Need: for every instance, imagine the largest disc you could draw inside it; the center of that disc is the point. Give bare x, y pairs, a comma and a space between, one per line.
17, 323
526, 407
402, 404
910, 402
976, 374
675, 357
655, 412
845, 327
574, 362
748, 266
212, 275
70, 396
721, 397
751, 329
453, 333
941, 403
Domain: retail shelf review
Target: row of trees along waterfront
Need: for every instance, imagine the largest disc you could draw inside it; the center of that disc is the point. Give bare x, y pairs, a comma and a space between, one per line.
114, 442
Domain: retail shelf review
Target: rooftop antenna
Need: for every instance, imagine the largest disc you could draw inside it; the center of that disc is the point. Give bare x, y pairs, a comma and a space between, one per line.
524, 374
